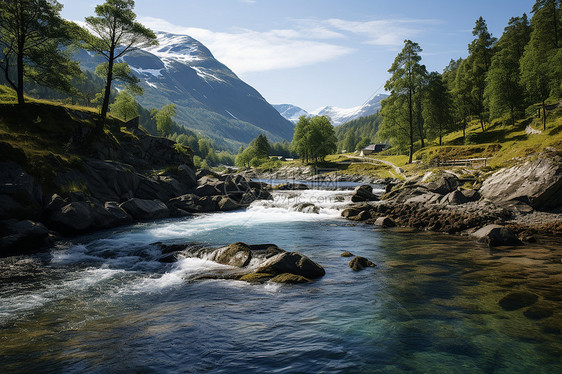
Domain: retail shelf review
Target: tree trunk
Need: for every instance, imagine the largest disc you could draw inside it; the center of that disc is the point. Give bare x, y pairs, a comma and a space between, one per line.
107, 92
420, 126
543, 115
411, 109
19, 72
440, 134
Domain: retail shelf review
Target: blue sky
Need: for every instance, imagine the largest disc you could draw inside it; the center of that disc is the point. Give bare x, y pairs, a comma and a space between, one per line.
314, 53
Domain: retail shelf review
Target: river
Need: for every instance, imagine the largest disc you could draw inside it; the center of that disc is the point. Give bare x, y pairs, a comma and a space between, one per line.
103, 303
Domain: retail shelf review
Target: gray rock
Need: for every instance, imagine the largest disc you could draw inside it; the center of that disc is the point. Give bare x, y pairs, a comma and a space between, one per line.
447, 183
145, 209
363, 193
495, 235
471, 195
293, 263
306, 208
537, 183
207, 190
72, 218
21, 236
227, 204
291, 187
119, 216
385, 222
455, 198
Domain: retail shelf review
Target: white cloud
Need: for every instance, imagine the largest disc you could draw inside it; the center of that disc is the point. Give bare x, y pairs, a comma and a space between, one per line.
247, 51
308, 42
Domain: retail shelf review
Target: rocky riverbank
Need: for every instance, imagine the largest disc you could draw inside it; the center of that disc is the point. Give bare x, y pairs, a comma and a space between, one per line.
71, 180
526, 199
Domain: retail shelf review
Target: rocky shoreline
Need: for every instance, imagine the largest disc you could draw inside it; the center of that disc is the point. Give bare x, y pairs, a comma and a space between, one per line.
525, 200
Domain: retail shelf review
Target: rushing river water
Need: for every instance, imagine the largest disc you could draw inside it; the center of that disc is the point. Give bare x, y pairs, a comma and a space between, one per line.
105, 304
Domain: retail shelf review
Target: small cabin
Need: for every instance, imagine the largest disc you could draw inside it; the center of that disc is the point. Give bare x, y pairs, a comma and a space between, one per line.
373, 148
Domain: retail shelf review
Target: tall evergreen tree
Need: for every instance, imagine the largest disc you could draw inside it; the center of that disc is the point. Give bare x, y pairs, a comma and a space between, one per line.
115, 33
480, 57
261, 144
407, 76
31, 34
437, 106
550, 10
540, 59
504, 92
462, 95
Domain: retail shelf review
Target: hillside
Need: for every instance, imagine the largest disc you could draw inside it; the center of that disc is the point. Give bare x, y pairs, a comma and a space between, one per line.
209, 97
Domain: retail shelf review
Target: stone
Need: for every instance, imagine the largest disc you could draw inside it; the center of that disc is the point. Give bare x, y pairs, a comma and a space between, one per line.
360, 263
495, 235
363, 193
471, 195
443, 185
537, 183
288, 278
119, 216
72, 218
306, 208
145, 209
537, 312
236, 254
256, 277
291, 187
385, 222
454, 198
207, 190
21, 236
294, 263
517, 300
188, 203
227, 204
347, 254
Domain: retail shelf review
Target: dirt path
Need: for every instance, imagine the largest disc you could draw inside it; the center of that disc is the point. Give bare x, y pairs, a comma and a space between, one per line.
374, 161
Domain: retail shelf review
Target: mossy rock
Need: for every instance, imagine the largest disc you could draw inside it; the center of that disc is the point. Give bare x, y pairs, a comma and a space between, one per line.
288, 278
347, 254
256, 277
360, 263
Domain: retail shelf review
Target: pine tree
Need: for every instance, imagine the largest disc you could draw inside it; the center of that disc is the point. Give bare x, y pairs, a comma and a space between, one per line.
504, 92
480, 57
261, 144
31, 34
407, 77
437, 106
115, 33
540, 59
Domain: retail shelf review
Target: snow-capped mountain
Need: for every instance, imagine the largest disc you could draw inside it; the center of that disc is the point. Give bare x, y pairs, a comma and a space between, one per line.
290, 112
209, 97
338, 116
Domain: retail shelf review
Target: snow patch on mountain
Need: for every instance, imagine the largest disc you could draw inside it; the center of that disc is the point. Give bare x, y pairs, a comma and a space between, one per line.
290, 112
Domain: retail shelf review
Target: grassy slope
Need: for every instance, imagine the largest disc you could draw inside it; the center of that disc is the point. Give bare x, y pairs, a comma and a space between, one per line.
37, 136
502, 143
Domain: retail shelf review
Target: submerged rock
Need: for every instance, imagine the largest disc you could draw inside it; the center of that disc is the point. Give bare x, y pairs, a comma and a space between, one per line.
360, 263
256, 277
517, 300
291, 187
347, 254
306, 208
537, 312
289, 278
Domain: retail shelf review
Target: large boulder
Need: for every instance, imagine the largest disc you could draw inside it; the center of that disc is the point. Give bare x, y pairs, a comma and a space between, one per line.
385, 222
21, 236
20, 195
145, 209
537, 183
443, 185
454, 198
363, 193
72, 218
116, 216
495, 235
294, 263
226, 204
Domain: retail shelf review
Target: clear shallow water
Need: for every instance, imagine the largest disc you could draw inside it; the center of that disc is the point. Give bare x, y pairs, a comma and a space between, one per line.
103, 303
